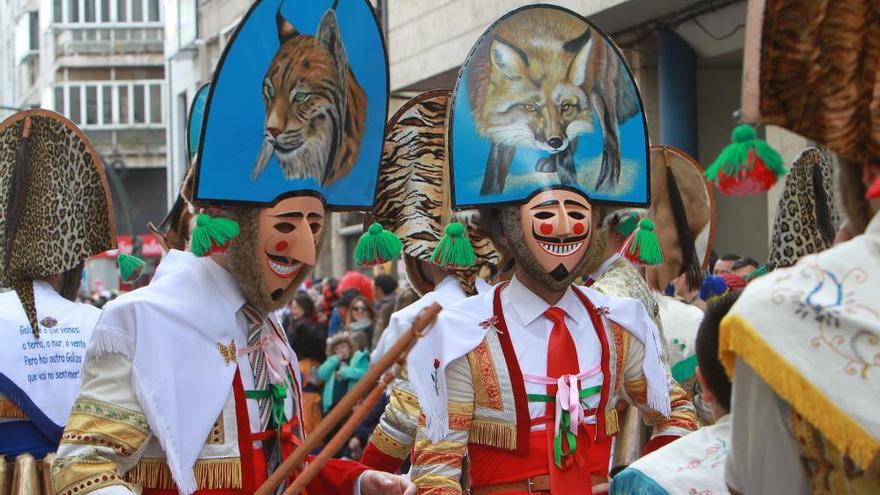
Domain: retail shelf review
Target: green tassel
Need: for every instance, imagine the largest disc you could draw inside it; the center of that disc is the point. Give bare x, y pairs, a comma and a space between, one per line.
212, 234
627, 225
130, 267
735, 156
454, 249
643, 247
377, 246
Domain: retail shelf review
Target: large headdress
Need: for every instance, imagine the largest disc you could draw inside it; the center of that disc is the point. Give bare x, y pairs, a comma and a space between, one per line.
297, 106
811, 67
55, 208
806, 216
545, 100
293, 126
413, 198
683, 207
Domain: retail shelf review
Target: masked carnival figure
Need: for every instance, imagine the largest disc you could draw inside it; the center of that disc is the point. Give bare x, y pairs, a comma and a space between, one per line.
526, 378
189, 384
442, 257
55, 213
802, 344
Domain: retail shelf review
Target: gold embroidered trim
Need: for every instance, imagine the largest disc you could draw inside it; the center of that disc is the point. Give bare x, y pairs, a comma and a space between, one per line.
8, 410
210, 474
493, 434
389, 445
612, 423
218, 432
487, 390
738, 337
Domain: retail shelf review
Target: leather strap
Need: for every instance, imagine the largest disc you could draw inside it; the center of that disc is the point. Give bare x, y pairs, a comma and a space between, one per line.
535, 484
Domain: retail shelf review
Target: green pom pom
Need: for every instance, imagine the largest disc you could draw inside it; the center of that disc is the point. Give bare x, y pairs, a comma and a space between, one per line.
376, 246
758, 272
735, 157
130, 267
454, 249
212, 234
626, 226
643, 247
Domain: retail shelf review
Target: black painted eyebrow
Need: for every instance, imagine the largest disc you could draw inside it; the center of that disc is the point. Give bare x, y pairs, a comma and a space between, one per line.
290, 214
571, 202
549, 202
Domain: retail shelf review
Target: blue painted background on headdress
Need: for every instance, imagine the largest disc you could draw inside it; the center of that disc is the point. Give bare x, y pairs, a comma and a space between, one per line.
470, 152
233, 133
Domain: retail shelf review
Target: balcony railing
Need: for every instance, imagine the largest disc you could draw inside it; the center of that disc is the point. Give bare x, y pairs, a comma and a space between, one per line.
109, 39
112, 105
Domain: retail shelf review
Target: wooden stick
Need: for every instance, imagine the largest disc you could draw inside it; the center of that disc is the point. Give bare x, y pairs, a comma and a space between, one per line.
347, 403
342, 436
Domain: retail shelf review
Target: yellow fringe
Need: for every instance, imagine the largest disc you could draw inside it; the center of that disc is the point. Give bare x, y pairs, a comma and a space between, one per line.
210, 474
493, 434
8, 410
739, 338
612, 424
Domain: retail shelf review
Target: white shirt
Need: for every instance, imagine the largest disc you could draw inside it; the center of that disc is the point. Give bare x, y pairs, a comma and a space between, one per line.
530, 334
47, 369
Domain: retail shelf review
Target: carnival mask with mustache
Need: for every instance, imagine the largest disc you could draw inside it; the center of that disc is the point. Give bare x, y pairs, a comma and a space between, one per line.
554, 240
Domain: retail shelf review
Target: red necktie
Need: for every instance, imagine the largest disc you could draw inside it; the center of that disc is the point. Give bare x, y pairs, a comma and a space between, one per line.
562, 359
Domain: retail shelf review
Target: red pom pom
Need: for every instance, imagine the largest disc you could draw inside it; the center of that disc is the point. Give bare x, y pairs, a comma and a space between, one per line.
757, 179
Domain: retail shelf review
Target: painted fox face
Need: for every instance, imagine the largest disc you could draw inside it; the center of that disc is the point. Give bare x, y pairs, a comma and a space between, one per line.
535, 96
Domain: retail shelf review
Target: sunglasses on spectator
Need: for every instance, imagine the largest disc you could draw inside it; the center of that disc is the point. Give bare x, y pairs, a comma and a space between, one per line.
358, 308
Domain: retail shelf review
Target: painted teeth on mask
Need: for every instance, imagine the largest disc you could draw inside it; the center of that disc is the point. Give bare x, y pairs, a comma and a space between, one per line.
282, 269
561, 249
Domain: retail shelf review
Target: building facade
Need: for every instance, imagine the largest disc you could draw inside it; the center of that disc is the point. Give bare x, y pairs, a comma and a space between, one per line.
99, 63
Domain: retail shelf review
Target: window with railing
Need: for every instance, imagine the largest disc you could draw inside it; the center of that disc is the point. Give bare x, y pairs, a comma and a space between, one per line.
106, 11
111, 104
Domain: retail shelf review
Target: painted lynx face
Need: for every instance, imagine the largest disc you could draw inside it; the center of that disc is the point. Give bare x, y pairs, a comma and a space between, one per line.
535, 98
304, 91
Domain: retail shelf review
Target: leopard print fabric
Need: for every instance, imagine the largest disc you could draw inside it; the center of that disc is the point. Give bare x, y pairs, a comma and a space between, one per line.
412, 198
67, 215
807, 197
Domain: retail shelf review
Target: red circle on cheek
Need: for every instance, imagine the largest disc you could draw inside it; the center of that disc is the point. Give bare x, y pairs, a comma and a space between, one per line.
578, 228
281, 245
546, 228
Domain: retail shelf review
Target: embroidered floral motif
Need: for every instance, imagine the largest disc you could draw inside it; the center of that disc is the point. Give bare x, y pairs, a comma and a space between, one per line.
831, 297
490, 322
435, 376
713, 456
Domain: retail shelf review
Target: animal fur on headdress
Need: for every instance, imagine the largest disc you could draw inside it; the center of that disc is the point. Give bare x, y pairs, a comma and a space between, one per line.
690, 261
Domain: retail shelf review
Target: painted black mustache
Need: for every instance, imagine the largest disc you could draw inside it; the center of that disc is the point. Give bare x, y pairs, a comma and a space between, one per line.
555, 240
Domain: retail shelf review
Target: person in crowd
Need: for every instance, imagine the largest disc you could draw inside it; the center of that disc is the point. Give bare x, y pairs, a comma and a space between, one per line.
695, 464
347, 362
519, 378
339, 315
360, 318
744, 266
413, 204
308, 343
45, 242
328, 298
189, 384
386, 296
301, 311
801, 342
724, 264
359, 282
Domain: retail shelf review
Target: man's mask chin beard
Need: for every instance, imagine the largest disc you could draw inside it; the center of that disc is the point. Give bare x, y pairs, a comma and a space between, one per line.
560, 272
245, 267
560, 277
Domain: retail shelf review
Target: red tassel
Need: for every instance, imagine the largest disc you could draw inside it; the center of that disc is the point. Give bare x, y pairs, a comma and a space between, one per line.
874, 190
757, 180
